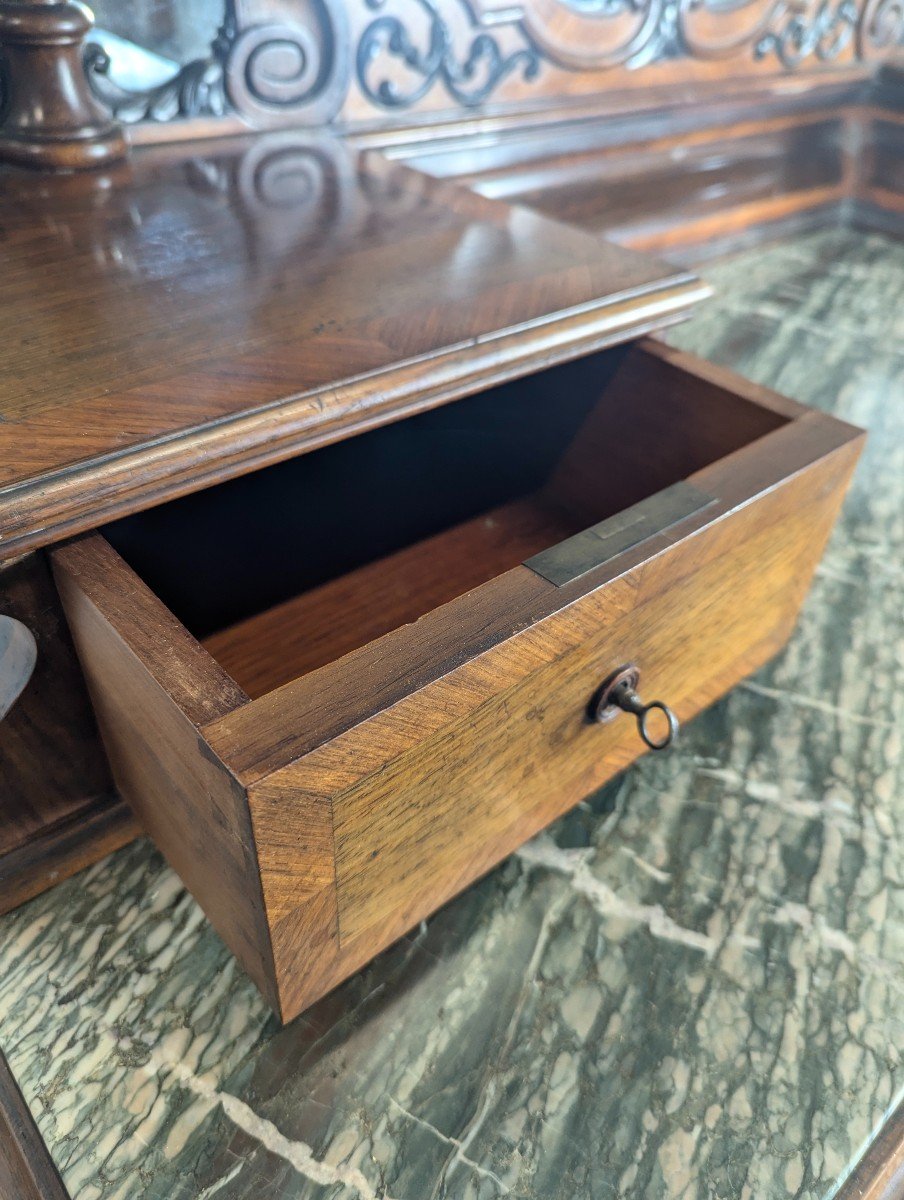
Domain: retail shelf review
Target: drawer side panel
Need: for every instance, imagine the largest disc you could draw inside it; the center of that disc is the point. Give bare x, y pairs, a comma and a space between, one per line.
150, 690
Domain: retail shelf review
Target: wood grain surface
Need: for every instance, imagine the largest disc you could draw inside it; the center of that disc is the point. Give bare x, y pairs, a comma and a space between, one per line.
314, 842
688, 985
695, 181
153, 689
197, 318
400, 68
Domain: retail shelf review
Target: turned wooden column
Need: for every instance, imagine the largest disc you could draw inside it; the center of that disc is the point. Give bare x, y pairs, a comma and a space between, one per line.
49, 117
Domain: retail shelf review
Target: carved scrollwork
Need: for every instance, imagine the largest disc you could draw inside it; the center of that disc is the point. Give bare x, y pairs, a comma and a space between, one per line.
276, 69
789, 30
585, 35
718, 30
278, 63
469, 77
881, 28
825, 34
196, 91
269, 72
274, 66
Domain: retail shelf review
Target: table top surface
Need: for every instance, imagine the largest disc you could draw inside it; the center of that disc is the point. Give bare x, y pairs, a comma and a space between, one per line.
200, 311
689, 987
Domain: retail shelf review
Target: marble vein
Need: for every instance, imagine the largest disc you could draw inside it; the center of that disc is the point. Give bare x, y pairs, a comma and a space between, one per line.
297, 1153
833, 710
575, 864
456, 1143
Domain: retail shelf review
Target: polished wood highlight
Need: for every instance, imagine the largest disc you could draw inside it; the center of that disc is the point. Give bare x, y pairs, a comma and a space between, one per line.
695, 180
689, 178
319, 821
200, 317
50, 120
58, 807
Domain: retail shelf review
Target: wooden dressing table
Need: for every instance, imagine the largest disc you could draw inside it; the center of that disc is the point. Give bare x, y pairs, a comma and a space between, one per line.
339, 472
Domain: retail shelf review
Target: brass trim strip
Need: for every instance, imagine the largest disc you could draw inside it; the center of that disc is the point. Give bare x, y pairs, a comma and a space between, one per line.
577, 555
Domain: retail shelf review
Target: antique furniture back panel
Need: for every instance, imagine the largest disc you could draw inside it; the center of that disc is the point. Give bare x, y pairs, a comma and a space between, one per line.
370, 65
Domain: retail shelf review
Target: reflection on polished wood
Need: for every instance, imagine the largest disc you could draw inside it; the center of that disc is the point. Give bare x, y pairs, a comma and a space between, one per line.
692, 181
199, 315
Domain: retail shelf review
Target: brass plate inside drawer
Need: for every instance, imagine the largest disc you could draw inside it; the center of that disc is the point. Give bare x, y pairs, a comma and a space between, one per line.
577, 555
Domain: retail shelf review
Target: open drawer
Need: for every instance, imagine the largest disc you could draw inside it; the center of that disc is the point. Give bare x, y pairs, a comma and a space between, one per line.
340, 689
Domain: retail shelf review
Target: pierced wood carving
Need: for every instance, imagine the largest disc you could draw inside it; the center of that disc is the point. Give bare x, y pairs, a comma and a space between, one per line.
377, 63
275, 62
595, 35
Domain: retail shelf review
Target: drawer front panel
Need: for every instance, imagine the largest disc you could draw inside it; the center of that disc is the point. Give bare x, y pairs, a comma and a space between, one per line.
441, 814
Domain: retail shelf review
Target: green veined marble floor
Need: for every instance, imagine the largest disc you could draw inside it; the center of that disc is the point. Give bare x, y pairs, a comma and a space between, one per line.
692, 986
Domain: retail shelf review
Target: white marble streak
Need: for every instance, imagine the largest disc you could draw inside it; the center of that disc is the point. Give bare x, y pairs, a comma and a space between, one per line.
575, 864
222, 1182
297, 1153
823, 706
457, 1144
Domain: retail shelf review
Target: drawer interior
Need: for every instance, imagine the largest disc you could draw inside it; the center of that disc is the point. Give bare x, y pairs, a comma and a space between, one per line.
287, 569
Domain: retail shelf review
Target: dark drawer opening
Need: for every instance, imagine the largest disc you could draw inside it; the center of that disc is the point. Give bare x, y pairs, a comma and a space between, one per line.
288, 569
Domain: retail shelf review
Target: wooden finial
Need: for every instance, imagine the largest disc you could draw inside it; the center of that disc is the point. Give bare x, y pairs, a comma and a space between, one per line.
49, 117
